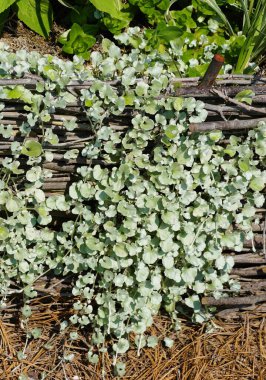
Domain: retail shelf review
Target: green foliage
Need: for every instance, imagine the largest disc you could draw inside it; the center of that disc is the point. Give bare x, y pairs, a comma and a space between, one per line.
147, 229
193, 33
37, 15
245, 96
78, 40
112, 7
253, 29
6, 4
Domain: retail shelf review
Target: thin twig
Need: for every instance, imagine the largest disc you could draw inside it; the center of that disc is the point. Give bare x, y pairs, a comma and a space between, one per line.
264, 237
249, 300
226, 125
243, 106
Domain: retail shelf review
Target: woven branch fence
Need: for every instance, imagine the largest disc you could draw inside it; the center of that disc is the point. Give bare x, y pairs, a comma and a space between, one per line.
224, 113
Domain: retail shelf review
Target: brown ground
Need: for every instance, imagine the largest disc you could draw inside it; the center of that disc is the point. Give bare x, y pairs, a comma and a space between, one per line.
234, 350
18, 36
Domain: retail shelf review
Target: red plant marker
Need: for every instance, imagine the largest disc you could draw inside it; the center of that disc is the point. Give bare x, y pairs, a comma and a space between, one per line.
212, 71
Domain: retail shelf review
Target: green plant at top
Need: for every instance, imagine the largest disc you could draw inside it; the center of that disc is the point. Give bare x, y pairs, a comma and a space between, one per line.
37, 15
147, 228
78, 40
193, 29
253, 28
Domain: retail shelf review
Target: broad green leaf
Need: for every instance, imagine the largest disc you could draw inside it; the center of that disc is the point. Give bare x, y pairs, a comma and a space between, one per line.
189, 275
149, 256
168, 261
34, 174
231, 151
23, 266
142, 273
36, 14
5, 4
112, 7
178, 103
168, 33
120, 250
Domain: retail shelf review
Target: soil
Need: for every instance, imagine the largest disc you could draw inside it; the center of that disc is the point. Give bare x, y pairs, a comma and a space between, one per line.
18, 37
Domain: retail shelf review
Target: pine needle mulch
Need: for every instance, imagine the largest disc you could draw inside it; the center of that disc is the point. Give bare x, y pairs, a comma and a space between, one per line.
233, 350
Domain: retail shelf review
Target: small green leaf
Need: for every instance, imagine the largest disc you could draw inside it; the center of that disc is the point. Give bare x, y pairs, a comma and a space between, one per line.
171, 131
257, 184
168, 342
12, 205
18, 92
121, 346
3, 233
244, 165
36, 332
215, 135
178, 103
245, 96
152, 341
31, 148
93, 358
26, 311
120, 369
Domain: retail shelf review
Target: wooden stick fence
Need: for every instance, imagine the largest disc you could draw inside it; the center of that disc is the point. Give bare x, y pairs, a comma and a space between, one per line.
224, 113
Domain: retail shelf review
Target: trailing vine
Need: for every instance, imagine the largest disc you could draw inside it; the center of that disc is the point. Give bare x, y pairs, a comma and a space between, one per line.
152, 213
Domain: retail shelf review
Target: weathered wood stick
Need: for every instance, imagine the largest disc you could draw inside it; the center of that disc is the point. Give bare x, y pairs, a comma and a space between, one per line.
55, 185
244, 107
247, 258
236, 313
212, 71
257, 240
250, 271
233, 78
194, 91
32, 80
232, 301
60, 168
225, 125
252, 285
